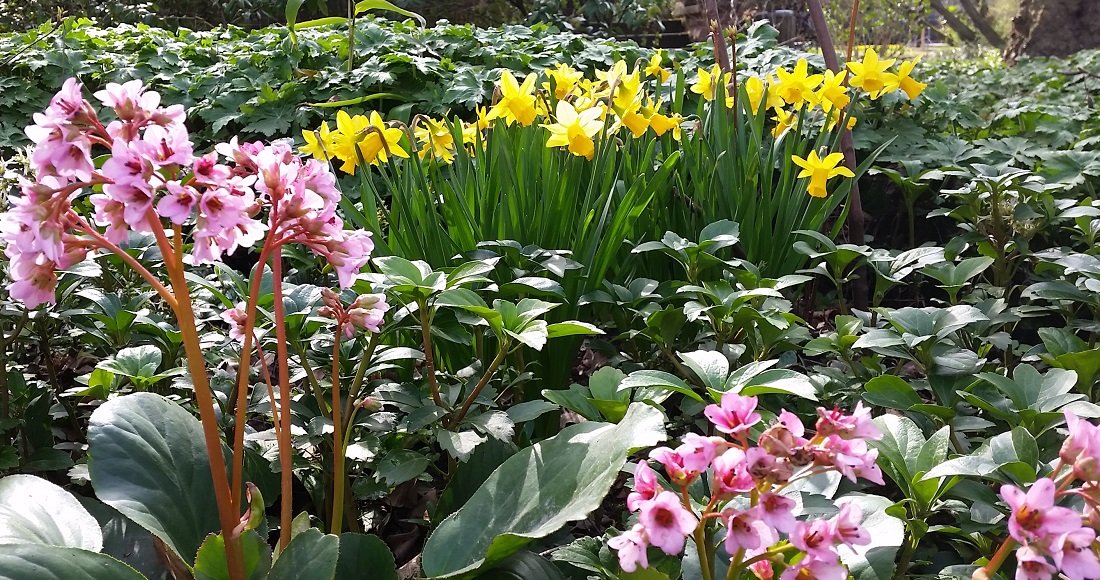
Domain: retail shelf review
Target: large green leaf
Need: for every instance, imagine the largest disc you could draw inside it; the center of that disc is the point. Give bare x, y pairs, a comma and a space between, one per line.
310, 554
126, 541
365, 5
523, 565
874, 561
35, 511
362, 552
148, 460
537, 491
211, 563
39, 562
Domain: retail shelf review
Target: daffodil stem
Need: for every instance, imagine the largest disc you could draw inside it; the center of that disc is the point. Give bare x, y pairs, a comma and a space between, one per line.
856, 227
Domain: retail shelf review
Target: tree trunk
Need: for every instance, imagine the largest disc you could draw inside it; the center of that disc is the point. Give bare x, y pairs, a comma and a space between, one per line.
1054, 28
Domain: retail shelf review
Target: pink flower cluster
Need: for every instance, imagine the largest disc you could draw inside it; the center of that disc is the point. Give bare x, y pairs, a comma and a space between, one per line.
1054, 538
758, 472
367, 312
151, 175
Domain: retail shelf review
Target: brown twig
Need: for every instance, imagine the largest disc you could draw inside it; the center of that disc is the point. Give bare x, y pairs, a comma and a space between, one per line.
856, 226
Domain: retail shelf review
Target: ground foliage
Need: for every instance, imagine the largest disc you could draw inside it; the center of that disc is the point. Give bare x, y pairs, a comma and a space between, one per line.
982, 331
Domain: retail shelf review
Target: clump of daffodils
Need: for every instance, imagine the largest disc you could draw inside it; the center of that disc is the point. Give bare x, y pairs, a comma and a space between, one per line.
747, 481
578, 112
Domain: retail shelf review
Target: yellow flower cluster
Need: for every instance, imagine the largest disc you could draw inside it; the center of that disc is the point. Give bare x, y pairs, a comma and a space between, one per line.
788, 91
575, 110
616, 98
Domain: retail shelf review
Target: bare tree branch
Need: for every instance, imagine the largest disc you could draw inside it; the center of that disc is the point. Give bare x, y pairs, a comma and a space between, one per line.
960, 28
982, 23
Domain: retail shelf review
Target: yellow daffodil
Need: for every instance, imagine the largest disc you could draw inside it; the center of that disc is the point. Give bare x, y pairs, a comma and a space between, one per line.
784, 120
904, 82
483, 119
654, 69
361, 139
833, 93
661, 124
517, 102
575, 130
564, 79
709, 83
348, 134
436, 138
635, 121
319, 143
797, 87
820, 171
834, 118
870, 75
628, 91
378, 145
754, 87
611, 75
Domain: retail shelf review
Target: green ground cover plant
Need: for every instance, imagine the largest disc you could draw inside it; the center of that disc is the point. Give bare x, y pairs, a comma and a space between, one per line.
547, 309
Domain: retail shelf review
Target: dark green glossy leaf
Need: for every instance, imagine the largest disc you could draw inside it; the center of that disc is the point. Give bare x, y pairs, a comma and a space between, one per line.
538, 490
148, 461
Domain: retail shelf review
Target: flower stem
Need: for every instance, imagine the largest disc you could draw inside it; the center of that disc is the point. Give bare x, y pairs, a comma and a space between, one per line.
999, 557
243, 373
286, 452
429, 356
700, 538
196, 366
503, 352
337, 439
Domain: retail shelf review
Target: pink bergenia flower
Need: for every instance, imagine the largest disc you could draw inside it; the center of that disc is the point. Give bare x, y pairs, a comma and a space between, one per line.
127, 166
1034, 515
207, 171
165, 146
130, 101
765, 467
136, 199
645, 487
815, 569
60, 150
736, 415
846, 529
856, 425
745, 530
762, 569
1082, 448
35, 280
785, 438
731, 474
177, 205
667, 524
815, 537
236, 317
367, 312
631, 546
1031, 564
778, 511
698, 451
851, 457
1074, 556
674, 464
